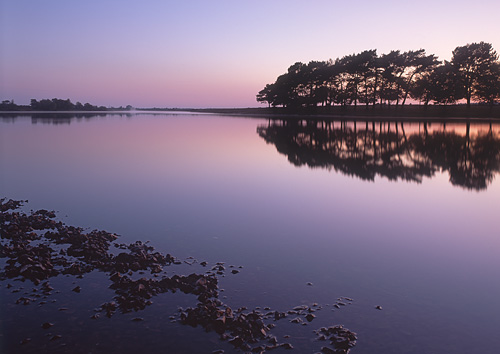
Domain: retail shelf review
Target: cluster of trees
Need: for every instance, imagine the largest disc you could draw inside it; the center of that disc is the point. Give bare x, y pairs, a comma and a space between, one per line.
57, 104
7, 105
473, 74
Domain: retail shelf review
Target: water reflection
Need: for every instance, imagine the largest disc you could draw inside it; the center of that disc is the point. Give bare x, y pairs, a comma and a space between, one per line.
58, 118
50, 118
395, 150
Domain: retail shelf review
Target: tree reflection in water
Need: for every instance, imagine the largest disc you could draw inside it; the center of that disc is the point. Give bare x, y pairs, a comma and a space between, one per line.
396, 150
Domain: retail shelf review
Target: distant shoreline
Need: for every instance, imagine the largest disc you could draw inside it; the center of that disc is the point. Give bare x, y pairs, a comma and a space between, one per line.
407, 112
391, 112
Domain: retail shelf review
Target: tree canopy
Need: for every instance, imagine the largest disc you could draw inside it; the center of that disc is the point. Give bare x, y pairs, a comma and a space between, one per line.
473, 74
55, 104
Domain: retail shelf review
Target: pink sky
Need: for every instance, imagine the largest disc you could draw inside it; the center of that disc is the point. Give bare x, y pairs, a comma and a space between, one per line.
209, 54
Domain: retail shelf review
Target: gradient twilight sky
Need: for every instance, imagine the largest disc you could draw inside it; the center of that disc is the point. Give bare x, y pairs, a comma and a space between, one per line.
189, 53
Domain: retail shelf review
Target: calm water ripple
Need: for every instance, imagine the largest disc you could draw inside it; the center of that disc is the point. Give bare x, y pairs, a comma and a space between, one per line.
401, 215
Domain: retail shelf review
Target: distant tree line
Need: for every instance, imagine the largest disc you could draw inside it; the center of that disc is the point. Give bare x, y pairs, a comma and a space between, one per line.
472, 75
55, 104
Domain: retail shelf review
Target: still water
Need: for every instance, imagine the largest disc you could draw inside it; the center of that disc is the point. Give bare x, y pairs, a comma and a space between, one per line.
402, 215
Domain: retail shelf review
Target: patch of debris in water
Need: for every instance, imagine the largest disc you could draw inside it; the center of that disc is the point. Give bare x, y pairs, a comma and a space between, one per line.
37, 248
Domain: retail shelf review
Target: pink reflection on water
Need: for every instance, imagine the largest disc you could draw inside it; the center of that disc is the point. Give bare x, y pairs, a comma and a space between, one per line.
211, 186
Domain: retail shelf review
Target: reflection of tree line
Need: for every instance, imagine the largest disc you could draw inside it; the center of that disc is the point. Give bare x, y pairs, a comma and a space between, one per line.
56, 118
389, 149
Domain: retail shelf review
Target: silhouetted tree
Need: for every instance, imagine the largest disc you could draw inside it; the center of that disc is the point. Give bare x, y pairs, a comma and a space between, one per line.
418, 65
473, 73
442, 86
57, 104
422, 89
389, 66
7, 105
283, 91
359, 69
487, 88
266, 94
366, 63
474, 63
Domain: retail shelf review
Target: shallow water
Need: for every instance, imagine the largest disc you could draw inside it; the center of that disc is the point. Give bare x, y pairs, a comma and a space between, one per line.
398, 215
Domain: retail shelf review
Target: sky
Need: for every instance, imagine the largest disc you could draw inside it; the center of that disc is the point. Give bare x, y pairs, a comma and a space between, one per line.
192, 54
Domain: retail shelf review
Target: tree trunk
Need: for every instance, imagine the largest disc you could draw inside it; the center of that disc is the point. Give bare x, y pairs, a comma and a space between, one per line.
407, 89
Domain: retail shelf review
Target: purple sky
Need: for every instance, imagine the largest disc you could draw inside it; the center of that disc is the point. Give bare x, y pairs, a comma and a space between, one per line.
209, 53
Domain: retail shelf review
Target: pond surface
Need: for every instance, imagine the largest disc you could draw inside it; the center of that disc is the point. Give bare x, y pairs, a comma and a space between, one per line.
401, 215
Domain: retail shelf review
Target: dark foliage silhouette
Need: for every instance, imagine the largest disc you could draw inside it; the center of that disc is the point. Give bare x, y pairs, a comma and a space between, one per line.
389, 79
57, 104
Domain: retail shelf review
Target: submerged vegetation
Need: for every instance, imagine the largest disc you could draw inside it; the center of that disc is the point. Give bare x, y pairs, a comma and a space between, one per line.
36, 248
472, 75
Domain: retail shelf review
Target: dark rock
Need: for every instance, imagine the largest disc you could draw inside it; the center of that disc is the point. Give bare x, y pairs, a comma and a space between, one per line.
24, 300
47, 325
279, 315
259, 349
310, 317
379, 307
236, 341
272, 339
341, 338
77, 289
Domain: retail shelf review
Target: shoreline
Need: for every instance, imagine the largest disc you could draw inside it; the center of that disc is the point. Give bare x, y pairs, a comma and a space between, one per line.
456, 113
362, 112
